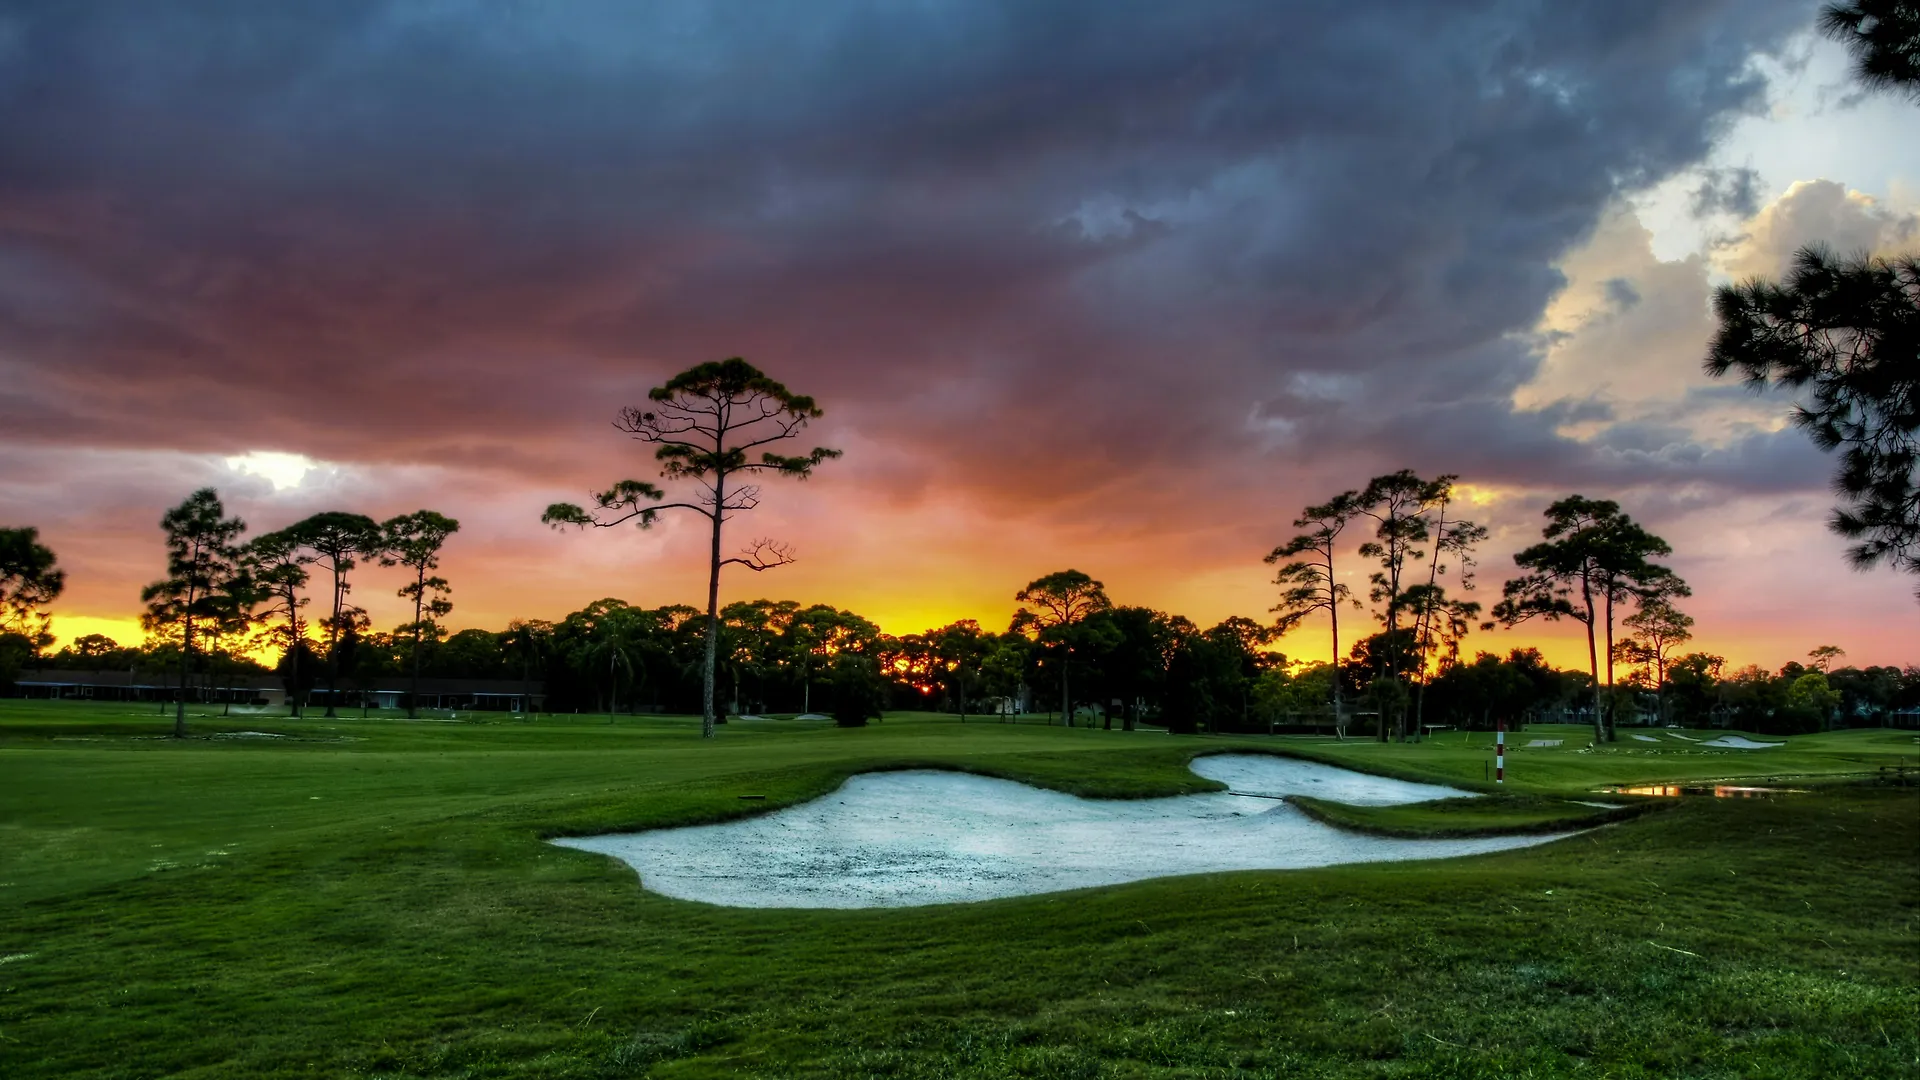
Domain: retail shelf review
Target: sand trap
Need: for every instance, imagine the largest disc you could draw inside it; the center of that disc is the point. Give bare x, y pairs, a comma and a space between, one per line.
926, 837
1545, 742
1682, 738
1646, 738
1741, 742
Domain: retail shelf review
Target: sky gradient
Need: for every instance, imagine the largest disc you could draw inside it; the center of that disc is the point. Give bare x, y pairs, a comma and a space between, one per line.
1104, 285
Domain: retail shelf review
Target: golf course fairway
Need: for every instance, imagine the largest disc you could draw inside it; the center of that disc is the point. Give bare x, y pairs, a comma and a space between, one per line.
377, 898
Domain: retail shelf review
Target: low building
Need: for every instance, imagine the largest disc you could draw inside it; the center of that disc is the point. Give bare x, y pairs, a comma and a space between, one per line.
151, 686
486, 695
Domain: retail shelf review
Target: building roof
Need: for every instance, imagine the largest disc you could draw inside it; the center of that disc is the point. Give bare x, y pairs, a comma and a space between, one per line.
401, 684
160, 680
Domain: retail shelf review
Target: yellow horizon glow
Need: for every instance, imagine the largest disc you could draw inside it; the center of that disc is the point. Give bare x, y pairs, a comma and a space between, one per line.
1564, 645
126, 632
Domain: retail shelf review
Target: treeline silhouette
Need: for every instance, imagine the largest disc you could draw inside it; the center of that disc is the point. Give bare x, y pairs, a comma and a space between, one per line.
1068, 652
780, 657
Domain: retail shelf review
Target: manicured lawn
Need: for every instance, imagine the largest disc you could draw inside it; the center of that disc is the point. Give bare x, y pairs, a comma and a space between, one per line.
1490, 815
372, 898
1465, 759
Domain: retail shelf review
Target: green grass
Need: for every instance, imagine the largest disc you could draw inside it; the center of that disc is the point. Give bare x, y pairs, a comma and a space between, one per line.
1465, 759
373, 898
1492, 815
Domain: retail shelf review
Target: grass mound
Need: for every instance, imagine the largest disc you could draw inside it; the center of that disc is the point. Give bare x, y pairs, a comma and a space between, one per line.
1487, 815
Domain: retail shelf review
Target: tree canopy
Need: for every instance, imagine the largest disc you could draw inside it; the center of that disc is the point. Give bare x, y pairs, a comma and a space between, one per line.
1591, 557
1060, 603
414, 541
206, 580
1847, 331
706, 424
1308, 581
29, 581
278, 562
338, 540
1884, 38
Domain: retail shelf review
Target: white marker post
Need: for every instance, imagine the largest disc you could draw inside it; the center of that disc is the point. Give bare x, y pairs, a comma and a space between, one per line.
1500, 755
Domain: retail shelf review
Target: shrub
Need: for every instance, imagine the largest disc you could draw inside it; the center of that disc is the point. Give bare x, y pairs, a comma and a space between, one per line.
858, 690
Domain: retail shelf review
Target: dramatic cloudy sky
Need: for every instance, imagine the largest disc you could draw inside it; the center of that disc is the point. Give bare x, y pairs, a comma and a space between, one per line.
1117, 286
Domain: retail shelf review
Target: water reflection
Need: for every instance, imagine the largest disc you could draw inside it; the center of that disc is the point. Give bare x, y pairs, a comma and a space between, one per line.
1718, 791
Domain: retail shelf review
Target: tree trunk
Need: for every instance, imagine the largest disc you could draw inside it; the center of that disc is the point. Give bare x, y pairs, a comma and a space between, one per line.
294, 638
1333, 611
333, 644
186, 660
1660, 688
413, 689
1593, 664
1393, 627
1066, 701
1425, 632
707, 719
186, 654
1610, 732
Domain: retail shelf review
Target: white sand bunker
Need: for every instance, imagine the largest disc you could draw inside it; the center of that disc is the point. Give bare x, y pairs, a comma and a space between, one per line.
925, 837
1741, 742
1545, 742
1646, 738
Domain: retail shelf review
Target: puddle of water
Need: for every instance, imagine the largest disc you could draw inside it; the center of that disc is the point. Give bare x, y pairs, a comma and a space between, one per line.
927, 837
1718, 791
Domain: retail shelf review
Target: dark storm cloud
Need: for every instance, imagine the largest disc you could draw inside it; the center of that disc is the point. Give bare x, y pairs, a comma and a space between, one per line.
1733, 191
1621, 293
1035, 246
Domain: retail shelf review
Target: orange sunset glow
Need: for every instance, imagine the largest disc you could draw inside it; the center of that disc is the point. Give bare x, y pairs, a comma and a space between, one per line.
959, 538
1134, 348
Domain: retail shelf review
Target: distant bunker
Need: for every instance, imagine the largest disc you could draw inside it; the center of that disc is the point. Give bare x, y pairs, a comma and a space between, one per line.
899, 839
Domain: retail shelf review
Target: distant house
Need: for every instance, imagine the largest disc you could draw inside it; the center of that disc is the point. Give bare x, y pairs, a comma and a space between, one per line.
237, 689
504, 695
